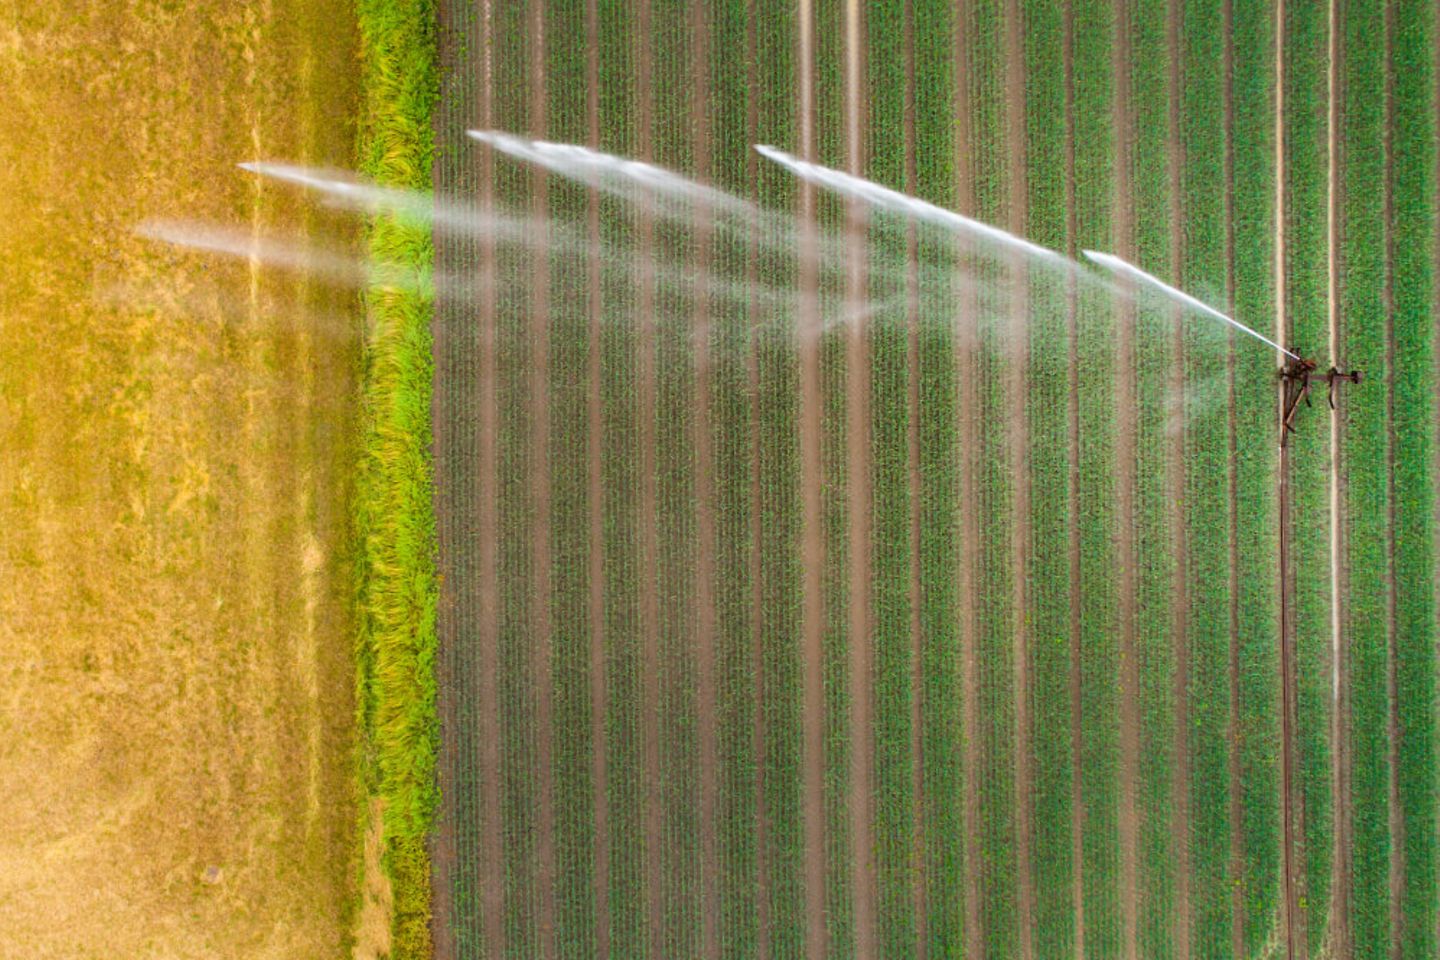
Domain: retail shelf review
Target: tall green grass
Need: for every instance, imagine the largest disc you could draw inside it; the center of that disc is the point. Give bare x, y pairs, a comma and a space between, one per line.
395, 652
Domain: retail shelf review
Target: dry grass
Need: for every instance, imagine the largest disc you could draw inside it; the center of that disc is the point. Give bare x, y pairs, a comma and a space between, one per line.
176, 438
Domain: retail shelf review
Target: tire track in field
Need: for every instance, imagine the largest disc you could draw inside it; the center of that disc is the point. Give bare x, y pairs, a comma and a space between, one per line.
645, 398
966, 360
1339, 933
1072, 317
912, 366
540, 618
1180, 785
857, 418
1232, 736
599, 695
1017, 433
1290, 900
1126, 424
812, 522
704, 499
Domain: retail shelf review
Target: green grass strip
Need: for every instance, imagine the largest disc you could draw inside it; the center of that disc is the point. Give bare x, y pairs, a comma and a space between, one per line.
1413, 121
395, 647
1256, 465
1206, 496
1306, 169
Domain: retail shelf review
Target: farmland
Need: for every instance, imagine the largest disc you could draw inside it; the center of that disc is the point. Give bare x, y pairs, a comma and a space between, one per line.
176, 485
822, 583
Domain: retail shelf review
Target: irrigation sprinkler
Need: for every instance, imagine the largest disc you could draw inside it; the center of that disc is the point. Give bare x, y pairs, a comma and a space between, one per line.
1297, 371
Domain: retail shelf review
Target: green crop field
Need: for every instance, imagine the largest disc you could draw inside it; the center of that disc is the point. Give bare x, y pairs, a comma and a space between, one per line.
813, 581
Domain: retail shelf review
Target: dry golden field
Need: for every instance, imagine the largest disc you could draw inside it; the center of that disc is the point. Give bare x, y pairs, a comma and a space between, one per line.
176, 437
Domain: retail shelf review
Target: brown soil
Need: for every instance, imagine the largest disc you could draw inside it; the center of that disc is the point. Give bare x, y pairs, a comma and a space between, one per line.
599, 697
649, 548
912, 362
968, 573
178, 776
372, 920
540, 619
757, 592
1018, 437
1288, 804
857, 418
1126, 427
1339, 927
1077, 806
1232, 735
704, 512
813, 545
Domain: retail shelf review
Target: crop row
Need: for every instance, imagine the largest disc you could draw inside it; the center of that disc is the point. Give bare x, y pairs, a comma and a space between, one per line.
1306, 303
1206, 495
1255, 473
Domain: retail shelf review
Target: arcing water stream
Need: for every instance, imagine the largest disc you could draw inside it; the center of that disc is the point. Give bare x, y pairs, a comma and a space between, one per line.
978, 257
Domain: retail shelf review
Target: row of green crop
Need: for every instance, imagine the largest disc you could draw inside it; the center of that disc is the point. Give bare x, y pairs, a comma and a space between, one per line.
1047, 407
941, 821
1206, 496
1093, 36
888, 342
1156, 554
1412, 124
1362, 307
1306, 96
395, 523
1255, 472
